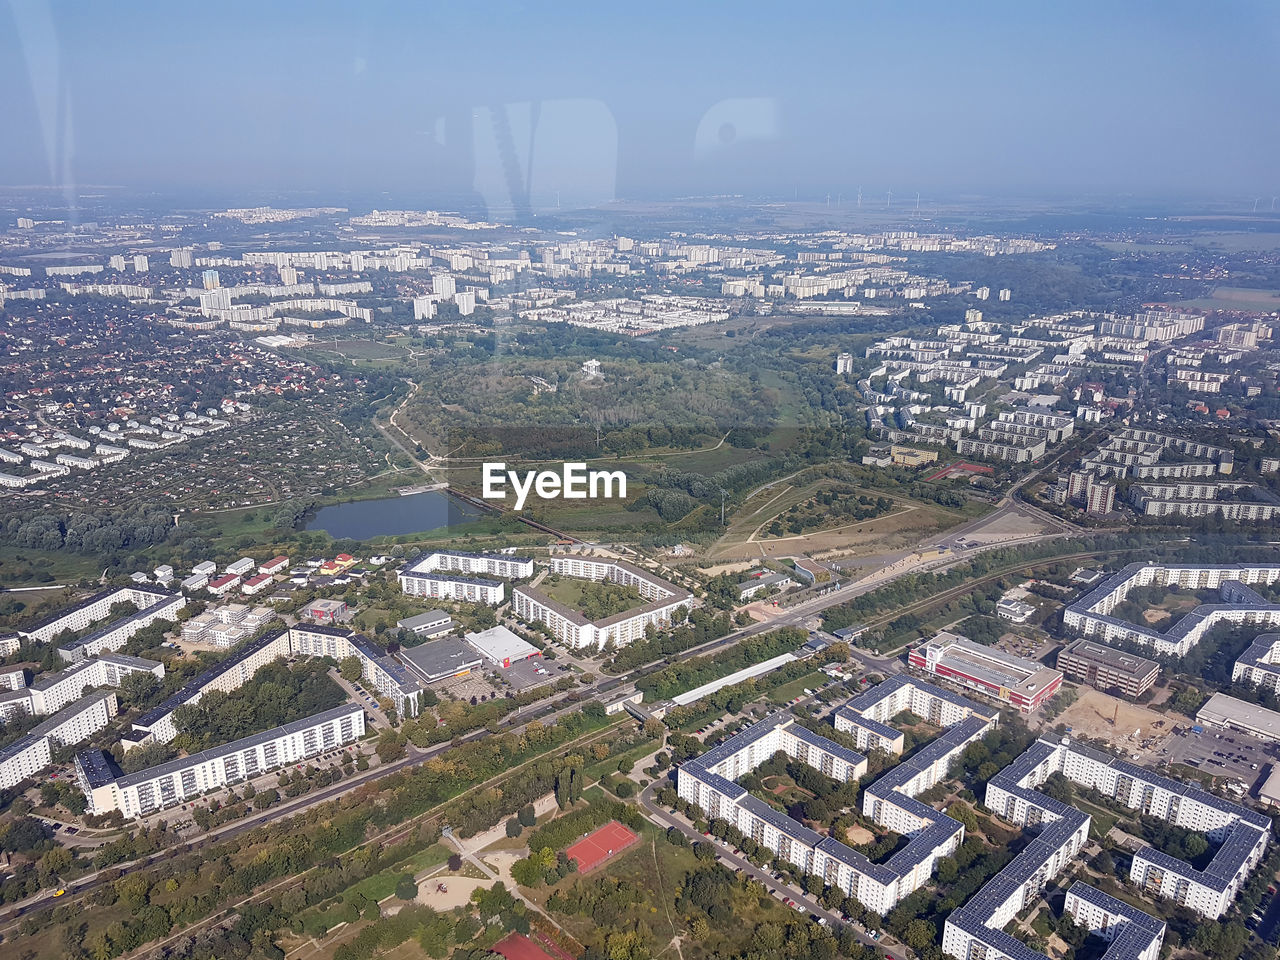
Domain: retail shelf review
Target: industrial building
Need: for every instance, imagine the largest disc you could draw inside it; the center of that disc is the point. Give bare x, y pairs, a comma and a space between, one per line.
1108, 669
176, 781
1024, 684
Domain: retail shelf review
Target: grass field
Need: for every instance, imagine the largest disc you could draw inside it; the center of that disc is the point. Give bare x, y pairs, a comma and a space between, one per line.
794, 688
1236, 298
359, 349
909, 522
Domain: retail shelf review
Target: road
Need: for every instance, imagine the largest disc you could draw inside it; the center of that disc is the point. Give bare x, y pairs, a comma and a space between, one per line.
601, 688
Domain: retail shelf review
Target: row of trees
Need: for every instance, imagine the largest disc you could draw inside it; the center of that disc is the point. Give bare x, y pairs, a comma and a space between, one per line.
687, 674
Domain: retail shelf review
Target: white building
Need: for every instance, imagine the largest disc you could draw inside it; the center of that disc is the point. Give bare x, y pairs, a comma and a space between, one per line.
176, 781
708, 782
1090, 616
664, 600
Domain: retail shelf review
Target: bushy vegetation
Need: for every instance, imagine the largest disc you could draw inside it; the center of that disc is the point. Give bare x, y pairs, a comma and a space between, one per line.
278, 694
686, 675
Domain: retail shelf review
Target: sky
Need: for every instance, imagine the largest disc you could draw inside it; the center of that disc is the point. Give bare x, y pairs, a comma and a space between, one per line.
534, 104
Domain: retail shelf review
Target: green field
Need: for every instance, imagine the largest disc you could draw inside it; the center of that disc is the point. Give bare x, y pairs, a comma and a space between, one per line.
795, 688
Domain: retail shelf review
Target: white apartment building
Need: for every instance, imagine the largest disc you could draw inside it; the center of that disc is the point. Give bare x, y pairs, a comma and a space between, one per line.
51, 693
708, 782
176, 781
1090, 616
379, 670
664, 600
73, 724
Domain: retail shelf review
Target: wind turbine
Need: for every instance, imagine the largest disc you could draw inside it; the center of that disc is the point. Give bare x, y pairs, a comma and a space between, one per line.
888, 198
1255, 204
917, 203
859, 198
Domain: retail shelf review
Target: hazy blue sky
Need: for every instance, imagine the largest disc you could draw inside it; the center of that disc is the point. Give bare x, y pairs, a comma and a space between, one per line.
639, 100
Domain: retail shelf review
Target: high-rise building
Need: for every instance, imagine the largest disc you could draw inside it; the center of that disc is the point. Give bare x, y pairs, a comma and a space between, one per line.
26, 223
1005, 294
844, 364
116, 262
288, 276
442, 285
1099, 496
973, 315
982, 293
140, 263
466, 301
211, 279
424, 308
181, 258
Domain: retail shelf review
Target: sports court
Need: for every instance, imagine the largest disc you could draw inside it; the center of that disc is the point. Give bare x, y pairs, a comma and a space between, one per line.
597, 847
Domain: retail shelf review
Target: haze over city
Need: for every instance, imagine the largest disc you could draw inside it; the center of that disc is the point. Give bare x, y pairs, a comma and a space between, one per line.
1004, 99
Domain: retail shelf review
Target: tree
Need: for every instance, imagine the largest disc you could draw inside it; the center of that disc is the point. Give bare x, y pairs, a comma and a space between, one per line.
391, 746
513, 828
351, 669
527, 816
455, 862
406, 888
919, 934
56, 861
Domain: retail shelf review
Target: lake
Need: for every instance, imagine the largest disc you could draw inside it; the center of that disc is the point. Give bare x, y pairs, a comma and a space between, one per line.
393, 516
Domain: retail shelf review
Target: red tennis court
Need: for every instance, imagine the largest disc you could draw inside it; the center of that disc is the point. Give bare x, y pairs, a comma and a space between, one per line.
597, 847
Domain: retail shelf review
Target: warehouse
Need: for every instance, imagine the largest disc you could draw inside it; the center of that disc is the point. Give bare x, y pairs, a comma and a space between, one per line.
441, 659
501, 647
1228, 713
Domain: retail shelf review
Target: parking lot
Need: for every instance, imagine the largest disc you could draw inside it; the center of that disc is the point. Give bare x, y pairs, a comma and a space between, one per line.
1219, 752
524, 674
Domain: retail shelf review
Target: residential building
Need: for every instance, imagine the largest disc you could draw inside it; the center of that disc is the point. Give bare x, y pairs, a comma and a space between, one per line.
184, 779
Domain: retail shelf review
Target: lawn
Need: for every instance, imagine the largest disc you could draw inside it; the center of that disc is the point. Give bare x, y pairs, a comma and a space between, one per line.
781, 791
795, 688
383, 884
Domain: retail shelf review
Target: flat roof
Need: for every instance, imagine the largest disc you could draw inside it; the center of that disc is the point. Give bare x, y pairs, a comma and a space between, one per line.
427, 619
235, 746
1222, 710
498, 643
1099, 653
438, 659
